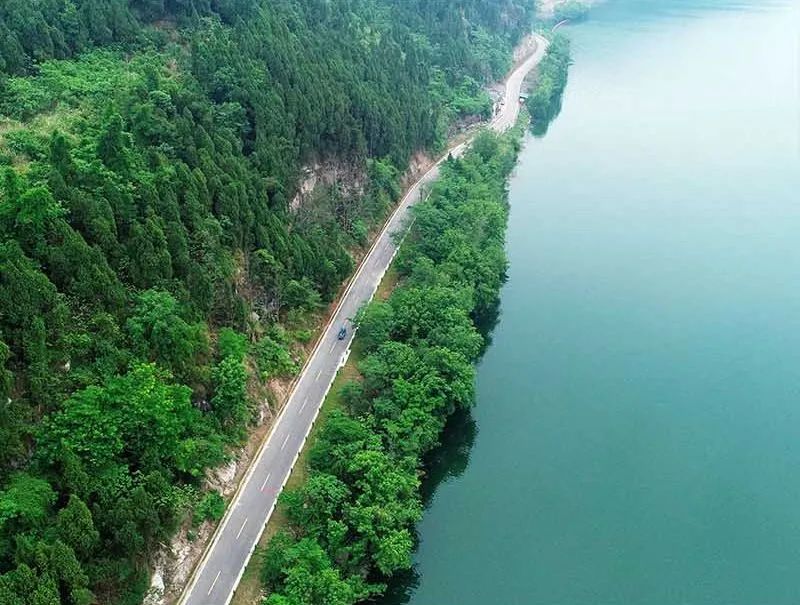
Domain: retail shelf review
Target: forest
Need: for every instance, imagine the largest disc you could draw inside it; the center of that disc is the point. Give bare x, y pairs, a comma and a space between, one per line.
351, 522
154, 275
571, 10
544, 103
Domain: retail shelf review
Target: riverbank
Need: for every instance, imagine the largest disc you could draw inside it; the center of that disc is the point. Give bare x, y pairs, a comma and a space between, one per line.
544, 102
637, 409
324, 364
418, 348
249, 588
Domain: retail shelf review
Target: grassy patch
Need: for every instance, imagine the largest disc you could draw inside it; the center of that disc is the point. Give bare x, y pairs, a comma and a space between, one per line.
388, 283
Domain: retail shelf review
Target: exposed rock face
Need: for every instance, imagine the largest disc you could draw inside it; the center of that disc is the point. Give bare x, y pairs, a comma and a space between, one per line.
156, 590
546, 8
350, 179
173, 564
222, 479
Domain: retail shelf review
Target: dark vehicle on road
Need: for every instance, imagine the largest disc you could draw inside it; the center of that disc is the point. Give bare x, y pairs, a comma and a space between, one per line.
342, 333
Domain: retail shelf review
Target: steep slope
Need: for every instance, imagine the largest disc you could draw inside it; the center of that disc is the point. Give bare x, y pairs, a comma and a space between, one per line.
151, 270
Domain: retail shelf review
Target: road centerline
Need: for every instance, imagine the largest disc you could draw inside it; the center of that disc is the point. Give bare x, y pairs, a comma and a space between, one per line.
214, 583
360, 289
241, 529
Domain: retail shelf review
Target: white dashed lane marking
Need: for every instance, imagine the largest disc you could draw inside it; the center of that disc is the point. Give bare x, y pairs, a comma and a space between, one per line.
241, 529
214, 583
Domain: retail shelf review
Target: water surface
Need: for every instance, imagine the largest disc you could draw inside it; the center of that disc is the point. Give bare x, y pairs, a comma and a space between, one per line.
638, 420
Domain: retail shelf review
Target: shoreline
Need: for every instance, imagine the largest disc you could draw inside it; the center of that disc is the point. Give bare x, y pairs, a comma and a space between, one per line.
513, 83
163, 592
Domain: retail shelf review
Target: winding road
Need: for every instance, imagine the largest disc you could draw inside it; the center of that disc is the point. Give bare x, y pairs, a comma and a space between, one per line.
216, 577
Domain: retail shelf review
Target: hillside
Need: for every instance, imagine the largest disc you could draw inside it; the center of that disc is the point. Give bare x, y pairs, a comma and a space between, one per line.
153, 276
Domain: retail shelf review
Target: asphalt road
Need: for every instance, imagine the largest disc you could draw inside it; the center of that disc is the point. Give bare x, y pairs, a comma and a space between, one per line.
221, 568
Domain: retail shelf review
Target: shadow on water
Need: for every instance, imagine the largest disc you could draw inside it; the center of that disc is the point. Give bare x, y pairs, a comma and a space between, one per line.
539, 127
448, 461
486, 322
652, 462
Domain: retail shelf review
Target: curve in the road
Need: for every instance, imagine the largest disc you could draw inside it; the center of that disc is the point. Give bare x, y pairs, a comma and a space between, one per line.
216, 577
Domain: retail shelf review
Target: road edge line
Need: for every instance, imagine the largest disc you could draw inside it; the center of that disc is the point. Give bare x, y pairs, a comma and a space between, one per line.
199, 567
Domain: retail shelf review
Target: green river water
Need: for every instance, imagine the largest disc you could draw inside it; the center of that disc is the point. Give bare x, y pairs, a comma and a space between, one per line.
636, 439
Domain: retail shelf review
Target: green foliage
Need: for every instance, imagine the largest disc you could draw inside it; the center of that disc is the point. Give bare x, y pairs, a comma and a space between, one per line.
25, 502
303, 336
353, 517
231, 343
75, 527
210, 508
470, 98
160, 334
137, 419
229, 403
272, 356
545, 102
571, 10
45, 566
13, 432
149, 153
312, 578
375, 322
300, 294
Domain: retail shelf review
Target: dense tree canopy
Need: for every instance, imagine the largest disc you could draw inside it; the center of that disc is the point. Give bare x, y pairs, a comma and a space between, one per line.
150, 255
351, 522
544, 104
